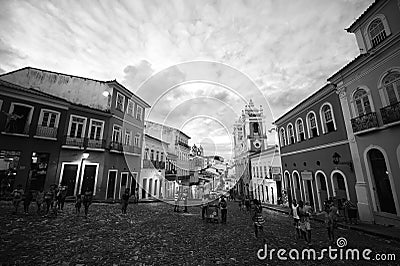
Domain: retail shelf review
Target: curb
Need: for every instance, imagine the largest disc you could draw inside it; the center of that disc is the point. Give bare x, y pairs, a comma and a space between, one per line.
345, 226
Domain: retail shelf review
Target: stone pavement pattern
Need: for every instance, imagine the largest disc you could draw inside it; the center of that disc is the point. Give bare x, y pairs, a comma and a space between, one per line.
152, 234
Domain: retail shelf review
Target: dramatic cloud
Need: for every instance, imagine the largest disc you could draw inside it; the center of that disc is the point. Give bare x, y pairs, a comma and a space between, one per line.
288, 48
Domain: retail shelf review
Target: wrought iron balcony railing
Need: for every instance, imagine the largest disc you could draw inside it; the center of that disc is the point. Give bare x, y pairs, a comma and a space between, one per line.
74, 141
96, 143
49, 132
116, 146
364, 122
391, 113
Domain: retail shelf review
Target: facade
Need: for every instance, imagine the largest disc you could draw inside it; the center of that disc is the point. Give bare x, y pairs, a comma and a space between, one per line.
31, 127
266, 175
177, 152
152, 179
369, 90
101, 135
249, 137
309, 136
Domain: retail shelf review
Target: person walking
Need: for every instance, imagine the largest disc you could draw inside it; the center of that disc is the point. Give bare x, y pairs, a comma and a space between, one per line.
49, 199
304, 212
125, 200
176, 199
224, 209
27, 201
296, 218
258, 218
17, 197
78, 204
87, 200
332, 218
247, 203
39, 201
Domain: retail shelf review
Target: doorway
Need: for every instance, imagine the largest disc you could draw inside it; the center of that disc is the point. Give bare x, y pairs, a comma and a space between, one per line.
89, 178
339, 186
112, 176
382, 187
69, 175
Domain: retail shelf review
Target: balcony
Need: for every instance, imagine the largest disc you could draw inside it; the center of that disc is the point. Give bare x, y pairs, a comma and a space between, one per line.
132, 149
153, 164
182, 144
364, 122
116, 146
391, 113
48, 132
96, 143
73, 141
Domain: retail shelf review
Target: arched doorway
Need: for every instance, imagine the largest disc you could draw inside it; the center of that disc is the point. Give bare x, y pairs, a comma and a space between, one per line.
144, 188
382, 187
339, 185
150, 187
322, 189
297, 186
288, 188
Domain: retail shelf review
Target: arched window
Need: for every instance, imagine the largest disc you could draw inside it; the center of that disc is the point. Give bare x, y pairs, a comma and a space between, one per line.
290, 133
391, 85
376, 32
300, 130
361, 102
146, 154
327, 118
312, 125
152, 155
282, 137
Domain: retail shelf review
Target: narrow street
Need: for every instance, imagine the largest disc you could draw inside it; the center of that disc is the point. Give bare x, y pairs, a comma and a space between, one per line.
152, 234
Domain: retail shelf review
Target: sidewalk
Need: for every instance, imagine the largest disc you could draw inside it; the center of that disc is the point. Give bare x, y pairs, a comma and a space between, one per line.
392, 233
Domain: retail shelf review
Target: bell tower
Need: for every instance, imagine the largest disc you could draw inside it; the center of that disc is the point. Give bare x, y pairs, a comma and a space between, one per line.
254, 127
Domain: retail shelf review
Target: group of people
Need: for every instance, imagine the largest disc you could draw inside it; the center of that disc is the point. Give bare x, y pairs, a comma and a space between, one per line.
220, 203
180, 196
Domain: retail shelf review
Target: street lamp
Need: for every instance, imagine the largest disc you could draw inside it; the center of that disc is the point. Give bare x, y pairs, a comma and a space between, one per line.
85, 155
336, 160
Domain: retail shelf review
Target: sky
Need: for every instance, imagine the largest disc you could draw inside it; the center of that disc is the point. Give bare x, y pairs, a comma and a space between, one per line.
276, 52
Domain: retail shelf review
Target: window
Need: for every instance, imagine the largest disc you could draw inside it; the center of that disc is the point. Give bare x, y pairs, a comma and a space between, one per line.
312, 125
117, 134
146, 153
300, 130
162, 157
19, 118
290, 134
391, 85
137, 140
327, 118
152, 155
128, 138
266, 172
77, 127
282, 137
48, 118
361, 102
96, 129
120, 102
376, 32
139, 111
129, 109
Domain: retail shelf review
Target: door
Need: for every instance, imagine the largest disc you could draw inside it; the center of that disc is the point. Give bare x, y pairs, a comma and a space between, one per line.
382, 182
144, 188
39, 164
309, 192
88, 179
339, 184
322, 190
69, 176
124, 183
133, 183
112, 176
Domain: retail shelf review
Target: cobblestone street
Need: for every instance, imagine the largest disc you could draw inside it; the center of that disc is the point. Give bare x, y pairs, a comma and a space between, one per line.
152, 234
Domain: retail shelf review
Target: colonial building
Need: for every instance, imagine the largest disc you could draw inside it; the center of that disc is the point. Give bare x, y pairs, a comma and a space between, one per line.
249, 137
369, 90
101, 135
177, 152
152, 179
266, 174
312, 136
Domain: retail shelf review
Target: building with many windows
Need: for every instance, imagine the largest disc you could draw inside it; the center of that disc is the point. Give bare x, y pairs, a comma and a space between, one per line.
101, 135
369, 90
311, 135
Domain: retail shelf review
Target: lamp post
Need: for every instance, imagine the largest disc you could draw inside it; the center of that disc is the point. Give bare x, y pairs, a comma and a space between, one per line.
85, 155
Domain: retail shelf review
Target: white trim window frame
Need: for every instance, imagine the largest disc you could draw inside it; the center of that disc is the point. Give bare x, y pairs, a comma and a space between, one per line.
28, 119
139, 112
120, 102
327, 116
290, 134
128, 138
300, 130
282, 137
96, 126
50, 120
80, 122
312, 124
136, 141
116, 134
390, 89
371, 42
130, 108
361, 102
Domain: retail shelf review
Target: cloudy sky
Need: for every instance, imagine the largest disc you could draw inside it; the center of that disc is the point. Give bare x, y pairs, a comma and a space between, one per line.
275, 51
